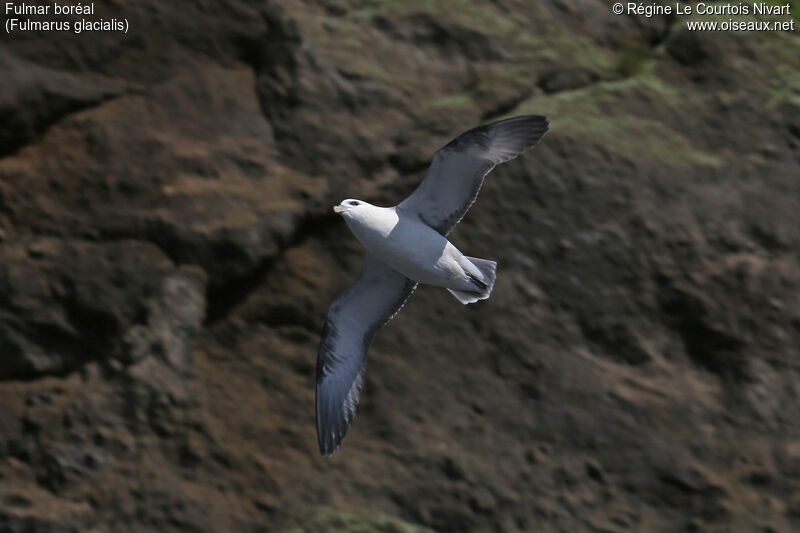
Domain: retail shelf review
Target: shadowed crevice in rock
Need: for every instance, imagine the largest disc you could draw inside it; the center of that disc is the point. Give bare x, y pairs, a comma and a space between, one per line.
38, 97
222, 299
30, 128
707, 345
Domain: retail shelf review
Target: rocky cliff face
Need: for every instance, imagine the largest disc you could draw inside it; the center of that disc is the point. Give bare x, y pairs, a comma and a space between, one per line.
167, 256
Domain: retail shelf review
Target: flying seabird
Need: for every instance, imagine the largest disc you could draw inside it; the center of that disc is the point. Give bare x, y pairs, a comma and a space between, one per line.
405, 245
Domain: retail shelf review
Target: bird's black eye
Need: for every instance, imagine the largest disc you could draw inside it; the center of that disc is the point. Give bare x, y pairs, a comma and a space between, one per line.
353, 202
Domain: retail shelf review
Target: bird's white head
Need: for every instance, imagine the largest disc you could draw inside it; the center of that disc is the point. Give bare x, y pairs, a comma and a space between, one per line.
351, 208
362, 217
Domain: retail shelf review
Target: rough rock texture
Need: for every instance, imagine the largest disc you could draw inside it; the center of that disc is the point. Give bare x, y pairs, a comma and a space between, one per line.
167, 255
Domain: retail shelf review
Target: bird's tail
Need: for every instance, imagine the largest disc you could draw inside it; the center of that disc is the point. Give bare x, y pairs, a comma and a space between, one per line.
483, 284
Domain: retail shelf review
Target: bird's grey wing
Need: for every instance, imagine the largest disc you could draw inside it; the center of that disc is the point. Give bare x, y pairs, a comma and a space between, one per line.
352, 322
457, 171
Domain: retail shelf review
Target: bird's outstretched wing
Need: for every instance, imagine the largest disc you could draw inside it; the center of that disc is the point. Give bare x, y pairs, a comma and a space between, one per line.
458, 169
352, 322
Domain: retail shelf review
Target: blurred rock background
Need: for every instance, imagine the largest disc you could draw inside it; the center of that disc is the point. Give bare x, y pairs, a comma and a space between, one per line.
167, 254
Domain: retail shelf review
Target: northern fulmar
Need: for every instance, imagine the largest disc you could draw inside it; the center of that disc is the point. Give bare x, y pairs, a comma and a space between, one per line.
405, 245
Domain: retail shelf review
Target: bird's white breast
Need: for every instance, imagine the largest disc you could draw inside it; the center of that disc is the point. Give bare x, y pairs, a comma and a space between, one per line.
408, 245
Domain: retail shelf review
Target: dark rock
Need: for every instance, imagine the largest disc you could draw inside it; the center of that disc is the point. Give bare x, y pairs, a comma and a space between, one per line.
69, 302
174, 317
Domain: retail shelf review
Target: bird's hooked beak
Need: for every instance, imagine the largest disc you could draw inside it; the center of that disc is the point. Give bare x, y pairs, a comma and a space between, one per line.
336, 209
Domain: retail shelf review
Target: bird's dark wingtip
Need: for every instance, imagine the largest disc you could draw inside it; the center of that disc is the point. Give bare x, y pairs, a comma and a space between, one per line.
539, 122
327, 449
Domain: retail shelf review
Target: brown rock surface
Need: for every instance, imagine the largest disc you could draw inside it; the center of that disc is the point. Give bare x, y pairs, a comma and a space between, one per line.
167, 256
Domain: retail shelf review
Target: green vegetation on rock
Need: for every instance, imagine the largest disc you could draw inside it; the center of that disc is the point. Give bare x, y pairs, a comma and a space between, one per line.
594, 113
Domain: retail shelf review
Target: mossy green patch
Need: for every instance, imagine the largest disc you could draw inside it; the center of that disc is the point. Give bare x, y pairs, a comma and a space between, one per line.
596, 113
780, 66
333, 521
609, 94
782, 46
352, 49
784, 86
454, 102
500, 83
565, 51
583, 53
633, 60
